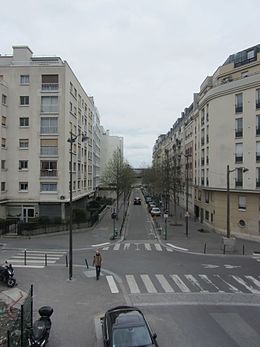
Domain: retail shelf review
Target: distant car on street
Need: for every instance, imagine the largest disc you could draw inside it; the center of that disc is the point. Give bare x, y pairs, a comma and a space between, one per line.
125, 326
137, 201
155, 211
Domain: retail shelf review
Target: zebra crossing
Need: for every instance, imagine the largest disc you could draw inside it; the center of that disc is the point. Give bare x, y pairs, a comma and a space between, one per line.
137, 246
186, 283
256, 256
35, 259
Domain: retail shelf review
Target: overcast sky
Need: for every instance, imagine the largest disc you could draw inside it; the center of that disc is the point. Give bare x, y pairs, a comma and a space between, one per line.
142, 60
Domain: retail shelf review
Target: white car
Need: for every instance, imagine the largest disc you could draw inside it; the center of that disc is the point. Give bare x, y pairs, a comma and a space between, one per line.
155, 211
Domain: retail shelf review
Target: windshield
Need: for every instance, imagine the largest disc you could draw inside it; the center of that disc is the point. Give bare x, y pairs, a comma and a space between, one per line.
131, 337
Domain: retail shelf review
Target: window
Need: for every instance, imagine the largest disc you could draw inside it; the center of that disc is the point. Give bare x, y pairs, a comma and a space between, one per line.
3, 121
239, 177
3, 142
257, 98
71, 107
23, 143
258, 177
23, 186
239, 127
207, 215
4, 99
48, 168
257, 125
2, 186
3, 165
239, 153
50, 83
49, 125
257, 151
24, 79
238, 103
250, 54
242, 202
71, 87
49, 104
23, 164
24, 100
48, 187
206, 196
49, 147
24, 121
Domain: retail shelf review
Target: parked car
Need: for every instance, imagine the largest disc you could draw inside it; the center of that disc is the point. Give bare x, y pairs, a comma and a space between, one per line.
155, 211
125, 326
151, 205
148, 199
137, 201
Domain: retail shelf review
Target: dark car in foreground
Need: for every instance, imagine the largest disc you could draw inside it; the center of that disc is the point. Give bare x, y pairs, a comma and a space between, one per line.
137, 201
125, 326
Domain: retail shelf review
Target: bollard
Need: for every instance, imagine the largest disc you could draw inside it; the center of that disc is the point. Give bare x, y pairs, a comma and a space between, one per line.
205, 248
45, 259
66, 260
86, 261
25, 257
243, 249
224, 249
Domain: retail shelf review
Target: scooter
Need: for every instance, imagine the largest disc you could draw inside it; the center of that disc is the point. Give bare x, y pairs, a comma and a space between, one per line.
7, 275
39, 334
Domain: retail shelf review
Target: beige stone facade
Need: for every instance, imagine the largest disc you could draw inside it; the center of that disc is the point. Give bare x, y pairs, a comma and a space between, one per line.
221, 129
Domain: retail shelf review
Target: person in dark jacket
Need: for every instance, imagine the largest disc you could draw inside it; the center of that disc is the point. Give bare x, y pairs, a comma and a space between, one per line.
97, 261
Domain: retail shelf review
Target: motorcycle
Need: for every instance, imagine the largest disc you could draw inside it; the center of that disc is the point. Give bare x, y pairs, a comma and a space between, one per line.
39, 333
7, 275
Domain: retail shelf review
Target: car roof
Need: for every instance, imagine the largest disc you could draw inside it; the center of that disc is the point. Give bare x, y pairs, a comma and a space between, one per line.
125, 316
156, 208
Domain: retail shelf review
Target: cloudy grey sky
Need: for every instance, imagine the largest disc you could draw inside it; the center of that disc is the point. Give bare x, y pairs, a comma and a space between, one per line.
142, 60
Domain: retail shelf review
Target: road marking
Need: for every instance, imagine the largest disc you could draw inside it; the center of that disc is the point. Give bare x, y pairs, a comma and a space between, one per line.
39, 257
195, 282
179, 282
43, 252
231, 288
101, 244
164, 283
148, 284
29, 266
126, 245
112, 284
254, 280
208, 281
133, 287
148, 246
116, 247
169, 249
40, 261
158, 247
209, 266
178, 248
231, 266
243, 283
105, 248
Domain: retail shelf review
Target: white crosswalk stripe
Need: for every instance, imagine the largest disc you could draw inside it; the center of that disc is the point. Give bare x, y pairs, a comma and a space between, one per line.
35, 259
187, 283
137, 246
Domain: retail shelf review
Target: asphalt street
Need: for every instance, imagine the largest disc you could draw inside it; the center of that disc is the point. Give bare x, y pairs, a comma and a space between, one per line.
190, 298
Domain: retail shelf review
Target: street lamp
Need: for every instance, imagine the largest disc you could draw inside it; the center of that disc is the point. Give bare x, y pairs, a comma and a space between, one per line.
71, 140
228, 198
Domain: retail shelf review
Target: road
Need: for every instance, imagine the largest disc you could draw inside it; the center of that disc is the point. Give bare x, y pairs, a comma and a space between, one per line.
189, 299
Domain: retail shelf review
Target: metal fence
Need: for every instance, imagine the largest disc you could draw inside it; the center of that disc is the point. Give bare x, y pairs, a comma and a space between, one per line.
17, 335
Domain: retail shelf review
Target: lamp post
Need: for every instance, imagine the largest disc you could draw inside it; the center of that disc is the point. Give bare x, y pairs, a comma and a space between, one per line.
71, 140
187, 196
228, 198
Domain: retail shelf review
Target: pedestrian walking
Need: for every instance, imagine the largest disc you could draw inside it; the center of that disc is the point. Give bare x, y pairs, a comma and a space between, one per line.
97, 261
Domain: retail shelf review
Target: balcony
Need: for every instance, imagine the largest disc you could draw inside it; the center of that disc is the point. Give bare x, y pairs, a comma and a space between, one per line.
49, 130
258, 130
50, 87
258, 183
49, 109
49, 151
238, 133
238, 108
49, 173
257, 157
257, 104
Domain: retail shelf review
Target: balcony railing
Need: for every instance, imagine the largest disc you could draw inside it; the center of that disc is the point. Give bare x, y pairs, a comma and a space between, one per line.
239, 159
258, 130
50, 87
238, 108
257, 104
258, 183
49, 108
258, 157
239, 183
239, 133
49, 151
49, 130
49, 173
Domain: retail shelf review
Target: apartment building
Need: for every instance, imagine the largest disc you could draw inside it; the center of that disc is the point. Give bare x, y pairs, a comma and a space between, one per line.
43, 105
223, 128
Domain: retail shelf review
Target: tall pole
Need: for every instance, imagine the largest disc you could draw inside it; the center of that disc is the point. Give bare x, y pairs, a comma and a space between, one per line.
70, 231
228, 204
187, 198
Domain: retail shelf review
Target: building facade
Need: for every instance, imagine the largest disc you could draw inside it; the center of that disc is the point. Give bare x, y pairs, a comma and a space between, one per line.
222, 133
43, 106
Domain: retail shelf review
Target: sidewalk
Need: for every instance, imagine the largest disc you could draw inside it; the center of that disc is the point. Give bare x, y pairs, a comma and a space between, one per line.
201, 240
